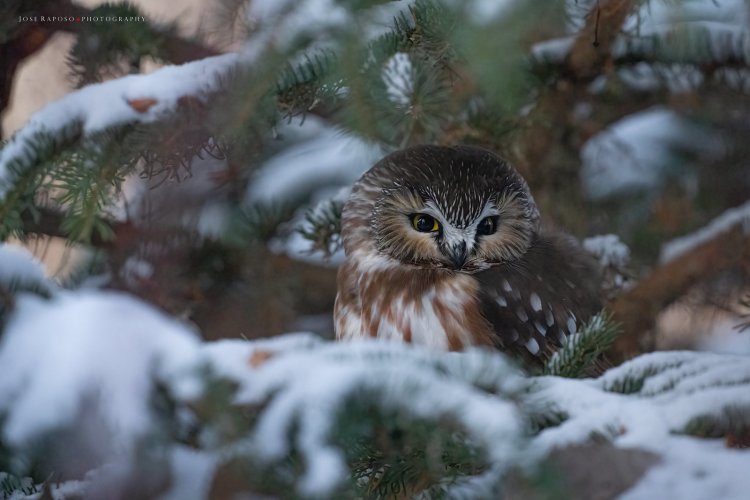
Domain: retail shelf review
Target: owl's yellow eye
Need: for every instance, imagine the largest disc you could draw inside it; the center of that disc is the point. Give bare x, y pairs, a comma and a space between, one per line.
425, 223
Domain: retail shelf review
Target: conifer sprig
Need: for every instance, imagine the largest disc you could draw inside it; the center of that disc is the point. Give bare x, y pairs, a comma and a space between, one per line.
581, 350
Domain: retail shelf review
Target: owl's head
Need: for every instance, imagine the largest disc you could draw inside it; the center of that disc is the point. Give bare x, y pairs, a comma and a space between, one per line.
460, 208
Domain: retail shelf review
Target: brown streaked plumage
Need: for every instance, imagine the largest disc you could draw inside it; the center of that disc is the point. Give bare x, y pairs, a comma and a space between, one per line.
444, 248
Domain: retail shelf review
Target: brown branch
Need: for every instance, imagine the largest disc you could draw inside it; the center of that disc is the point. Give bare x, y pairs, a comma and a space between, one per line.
638, 308
552, 117
592, 47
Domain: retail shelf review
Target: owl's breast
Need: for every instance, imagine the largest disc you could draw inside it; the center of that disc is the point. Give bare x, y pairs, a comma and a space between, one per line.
435, 309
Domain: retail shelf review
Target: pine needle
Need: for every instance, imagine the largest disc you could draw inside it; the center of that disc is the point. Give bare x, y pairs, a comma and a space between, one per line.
581, 350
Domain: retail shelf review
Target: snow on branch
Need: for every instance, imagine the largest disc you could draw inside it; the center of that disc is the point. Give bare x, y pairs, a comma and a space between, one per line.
300, 413
99, 107
109, 347
20, 271
735, 217
702, 34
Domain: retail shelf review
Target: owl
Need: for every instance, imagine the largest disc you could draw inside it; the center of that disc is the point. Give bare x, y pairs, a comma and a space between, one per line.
444, 249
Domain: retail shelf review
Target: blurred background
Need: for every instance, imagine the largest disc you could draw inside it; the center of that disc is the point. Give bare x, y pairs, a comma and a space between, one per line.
626, 117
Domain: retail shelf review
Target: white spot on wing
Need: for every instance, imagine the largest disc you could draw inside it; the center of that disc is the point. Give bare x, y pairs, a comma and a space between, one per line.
533, 346
571, 325
521, 314
506, 286
501, 301
540, 328
549, 318
536, 302
561, 335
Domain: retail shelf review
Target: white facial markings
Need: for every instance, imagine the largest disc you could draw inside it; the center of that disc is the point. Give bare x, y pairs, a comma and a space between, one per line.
453, 235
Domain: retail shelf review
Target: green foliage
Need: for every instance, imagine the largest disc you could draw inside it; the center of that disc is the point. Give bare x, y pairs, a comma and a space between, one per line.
392, 454
730, 420
579, 353
323, 227
632, 383
25, 174
309, 85
258, 223
11, 486
110, 49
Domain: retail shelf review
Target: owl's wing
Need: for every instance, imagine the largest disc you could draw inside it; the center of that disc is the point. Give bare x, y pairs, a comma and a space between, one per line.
537, 301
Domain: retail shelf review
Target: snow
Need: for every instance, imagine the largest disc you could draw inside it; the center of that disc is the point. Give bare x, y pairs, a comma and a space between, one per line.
104, 105
108, 346
659, 14
317, 154
315, 160
309, 386
552, 51
487, 11
738, 217
398, 77
694, 469
285, 22
680, 386
191, 474
727, 337
18, 265
636, 153
608, 249
694, 30
56, 352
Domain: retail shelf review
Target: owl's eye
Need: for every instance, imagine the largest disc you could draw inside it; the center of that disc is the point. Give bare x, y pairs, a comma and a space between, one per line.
424, 223
486, 226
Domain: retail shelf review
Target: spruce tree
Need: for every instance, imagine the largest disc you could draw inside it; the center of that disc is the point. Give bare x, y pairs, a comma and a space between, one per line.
193, 188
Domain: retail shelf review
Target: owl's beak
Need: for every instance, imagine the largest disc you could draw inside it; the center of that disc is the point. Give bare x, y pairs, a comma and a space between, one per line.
458, 255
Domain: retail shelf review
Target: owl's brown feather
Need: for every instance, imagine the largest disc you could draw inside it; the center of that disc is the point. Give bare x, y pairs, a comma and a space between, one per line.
486, 276
538, 300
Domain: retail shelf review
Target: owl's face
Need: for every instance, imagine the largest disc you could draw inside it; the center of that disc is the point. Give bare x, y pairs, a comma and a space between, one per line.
458, 208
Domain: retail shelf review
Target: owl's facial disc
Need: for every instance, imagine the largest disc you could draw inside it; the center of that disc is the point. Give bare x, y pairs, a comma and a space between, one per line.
460, 244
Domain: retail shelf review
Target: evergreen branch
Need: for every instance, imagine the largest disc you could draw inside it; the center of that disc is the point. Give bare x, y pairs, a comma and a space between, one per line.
258, 223
309, 85
25, 39
323, 227
729, 420
581, 350
12, 486
25, 170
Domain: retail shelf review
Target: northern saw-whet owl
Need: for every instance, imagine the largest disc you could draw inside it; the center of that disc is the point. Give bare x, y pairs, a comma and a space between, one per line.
444, 249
